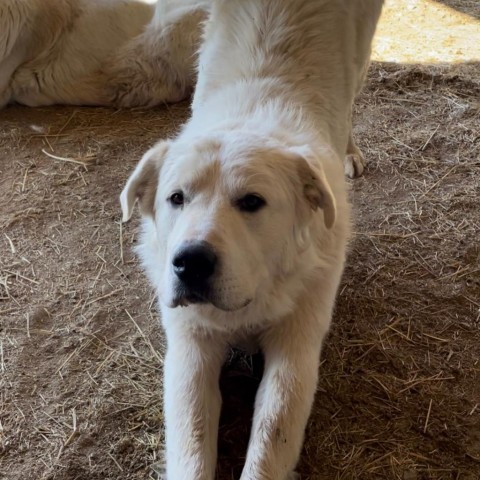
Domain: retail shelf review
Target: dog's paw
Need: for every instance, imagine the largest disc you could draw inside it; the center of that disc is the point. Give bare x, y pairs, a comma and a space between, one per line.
354, 165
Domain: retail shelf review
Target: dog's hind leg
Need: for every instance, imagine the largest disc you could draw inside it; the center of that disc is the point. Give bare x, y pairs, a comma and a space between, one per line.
354, 162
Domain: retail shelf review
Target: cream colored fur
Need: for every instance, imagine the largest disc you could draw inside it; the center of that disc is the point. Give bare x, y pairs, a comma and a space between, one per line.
270, 116
120, 53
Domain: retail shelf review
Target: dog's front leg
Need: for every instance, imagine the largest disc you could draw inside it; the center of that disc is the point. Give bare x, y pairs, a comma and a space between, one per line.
284, 400
192, 404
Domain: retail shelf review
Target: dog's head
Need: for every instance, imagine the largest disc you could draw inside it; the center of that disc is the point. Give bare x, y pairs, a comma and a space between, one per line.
231, 214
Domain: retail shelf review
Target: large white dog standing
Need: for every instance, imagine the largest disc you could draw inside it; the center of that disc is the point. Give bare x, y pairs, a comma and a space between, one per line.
246, 219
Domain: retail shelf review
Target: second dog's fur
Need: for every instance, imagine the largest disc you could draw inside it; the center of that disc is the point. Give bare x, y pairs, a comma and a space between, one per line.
122, 53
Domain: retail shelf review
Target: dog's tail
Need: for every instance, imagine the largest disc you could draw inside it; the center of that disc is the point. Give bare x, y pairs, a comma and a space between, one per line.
158, 66
168, 12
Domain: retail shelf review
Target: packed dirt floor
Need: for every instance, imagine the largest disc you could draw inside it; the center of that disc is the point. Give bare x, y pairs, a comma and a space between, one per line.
399, 395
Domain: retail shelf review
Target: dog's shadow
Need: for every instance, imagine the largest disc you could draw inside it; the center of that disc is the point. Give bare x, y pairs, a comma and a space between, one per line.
239, 382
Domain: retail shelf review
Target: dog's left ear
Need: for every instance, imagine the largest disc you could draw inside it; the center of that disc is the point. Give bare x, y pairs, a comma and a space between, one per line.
316, 188
142, 183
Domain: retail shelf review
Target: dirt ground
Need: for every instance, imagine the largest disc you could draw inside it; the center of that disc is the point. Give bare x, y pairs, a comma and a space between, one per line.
399, 395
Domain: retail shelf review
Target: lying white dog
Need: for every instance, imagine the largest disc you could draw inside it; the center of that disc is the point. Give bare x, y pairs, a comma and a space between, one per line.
98, 52
246, 219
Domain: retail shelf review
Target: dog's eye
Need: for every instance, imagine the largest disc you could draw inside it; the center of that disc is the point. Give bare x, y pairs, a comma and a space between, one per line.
250, 203
176, 199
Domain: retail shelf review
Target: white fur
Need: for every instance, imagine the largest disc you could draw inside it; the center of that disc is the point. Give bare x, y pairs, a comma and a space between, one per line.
271, 116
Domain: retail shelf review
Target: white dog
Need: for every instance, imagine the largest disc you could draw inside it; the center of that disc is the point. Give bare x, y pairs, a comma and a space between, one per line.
246, 219
98, 52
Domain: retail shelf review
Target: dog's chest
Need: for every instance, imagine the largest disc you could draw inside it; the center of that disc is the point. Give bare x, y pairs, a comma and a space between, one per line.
246, 341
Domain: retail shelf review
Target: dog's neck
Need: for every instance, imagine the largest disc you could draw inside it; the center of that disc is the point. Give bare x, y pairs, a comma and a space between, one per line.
279, 55
267, 108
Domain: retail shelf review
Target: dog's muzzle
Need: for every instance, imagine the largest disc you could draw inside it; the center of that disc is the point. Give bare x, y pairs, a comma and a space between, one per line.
194, 265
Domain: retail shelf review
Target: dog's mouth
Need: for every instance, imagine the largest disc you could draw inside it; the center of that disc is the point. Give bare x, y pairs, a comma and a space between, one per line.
185, 298
189, 299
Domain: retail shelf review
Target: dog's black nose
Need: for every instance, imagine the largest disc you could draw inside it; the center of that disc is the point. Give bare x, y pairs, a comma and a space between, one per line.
195, 263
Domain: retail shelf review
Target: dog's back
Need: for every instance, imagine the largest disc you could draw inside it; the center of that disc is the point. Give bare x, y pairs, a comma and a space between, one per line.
318, 49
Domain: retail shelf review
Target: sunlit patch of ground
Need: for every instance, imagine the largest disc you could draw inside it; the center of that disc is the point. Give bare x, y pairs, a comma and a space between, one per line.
426, 31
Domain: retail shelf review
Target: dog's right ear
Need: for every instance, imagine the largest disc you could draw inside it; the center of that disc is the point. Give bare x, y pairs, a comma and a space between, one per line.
142, 183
